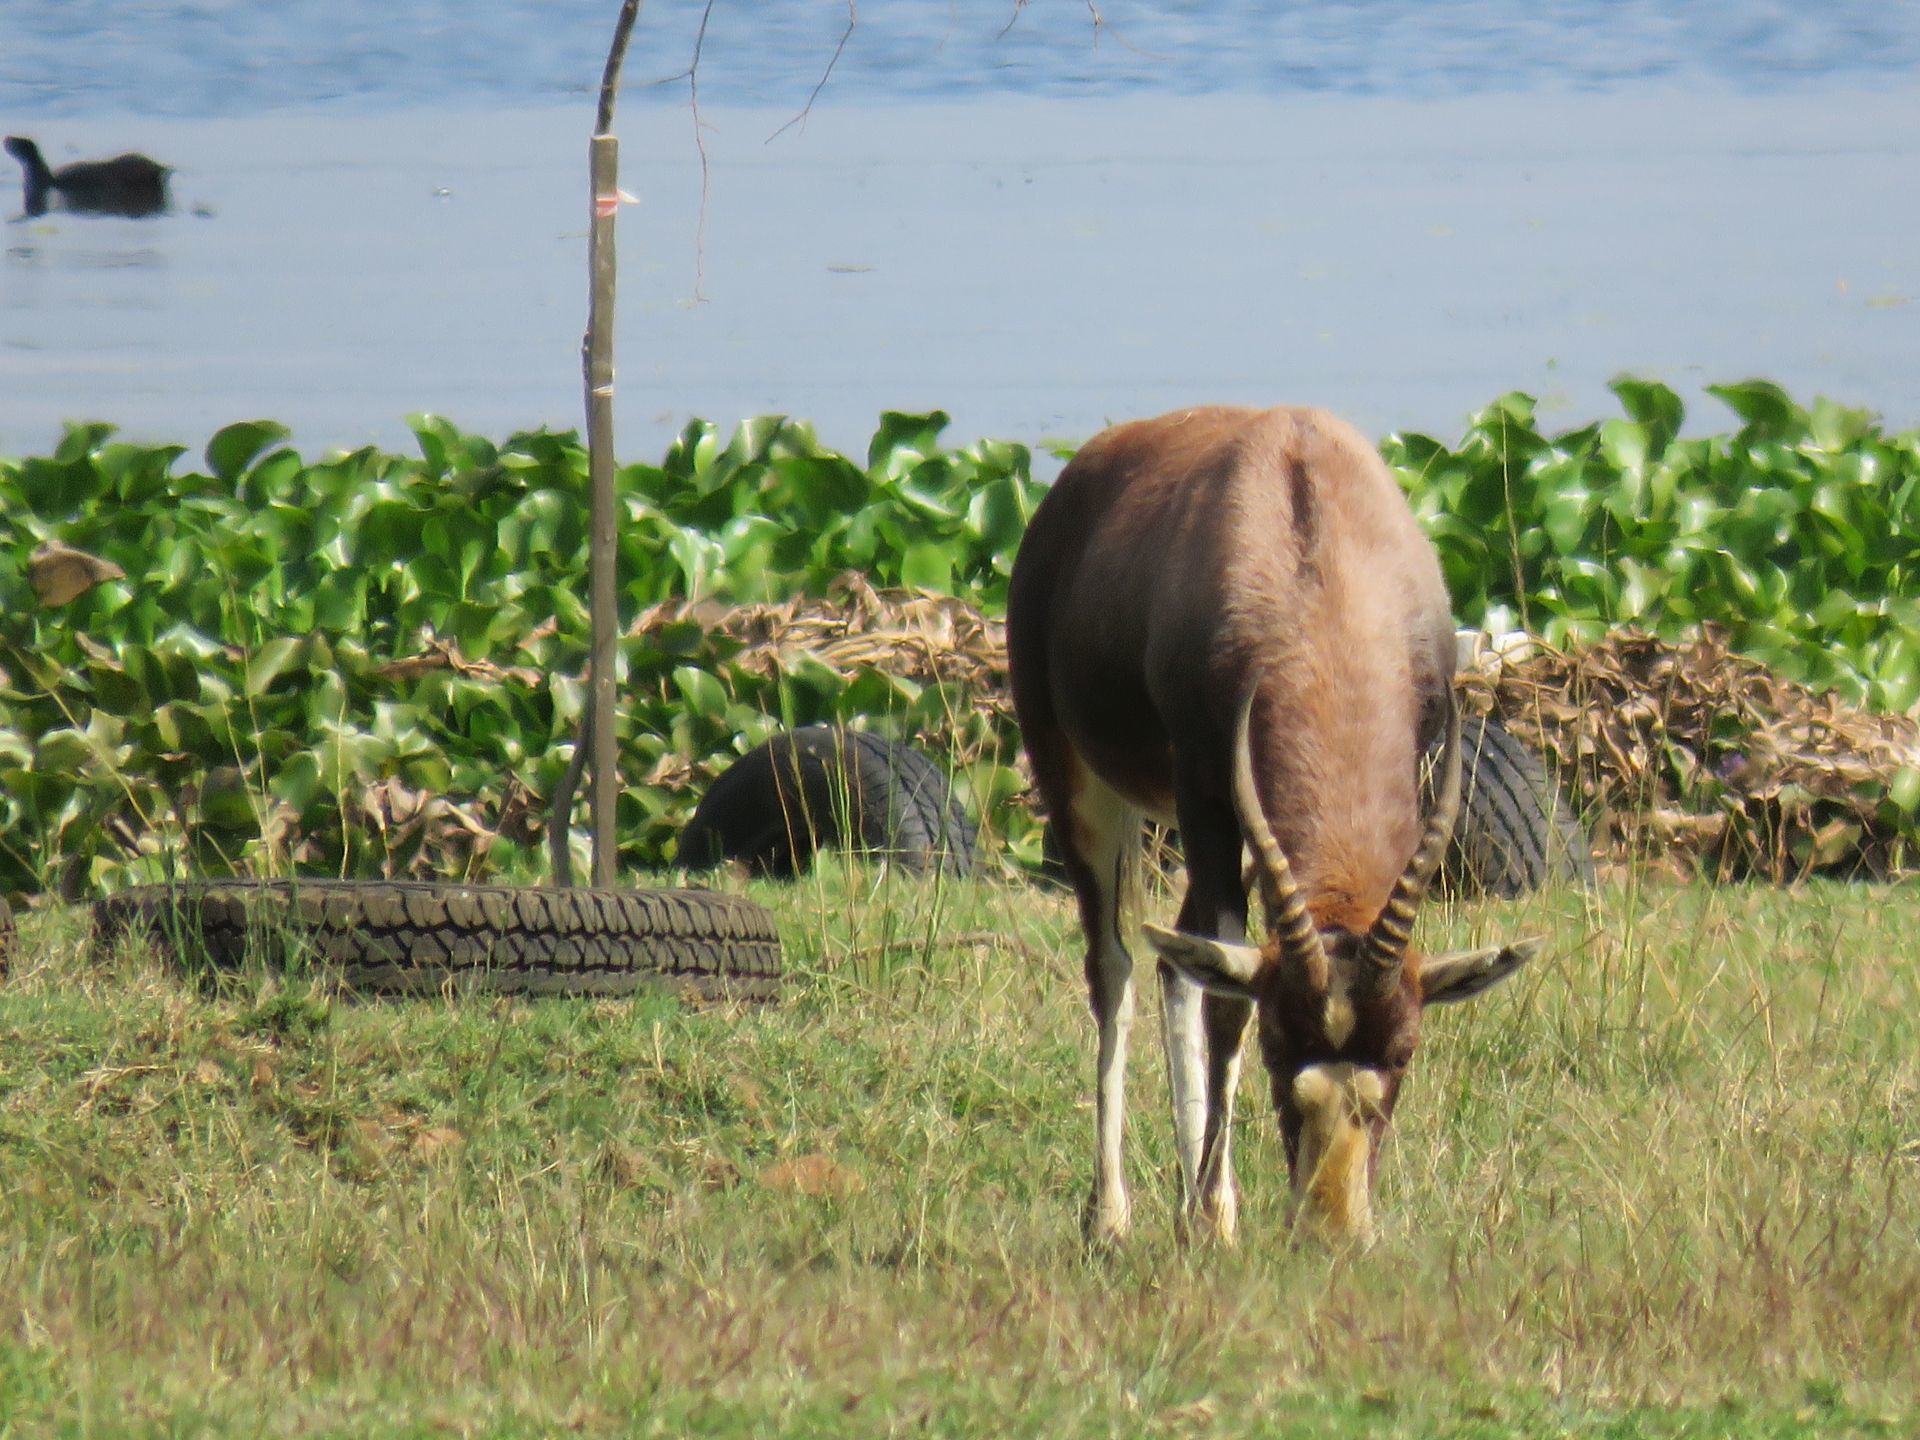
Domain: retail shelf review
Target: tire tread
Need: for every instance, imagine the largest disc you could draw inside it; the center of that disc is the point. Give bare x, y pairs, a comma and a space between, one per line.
418, 937
1515, 834
819, 786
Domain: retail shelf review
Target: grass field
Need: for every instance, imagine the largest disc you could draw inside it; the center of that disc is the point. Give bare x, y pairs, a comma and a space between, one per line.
1663, 1183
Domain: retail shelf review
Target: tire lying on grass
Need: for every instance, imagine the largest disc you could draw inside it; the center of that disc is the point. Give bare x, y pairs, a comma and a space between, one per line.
415, 937
1515, 834
820, 786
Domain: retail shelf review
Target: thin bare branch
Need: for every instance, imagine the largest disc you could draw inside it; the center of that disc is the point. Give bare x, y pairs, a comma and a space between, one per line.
853, 19
692, 76
706, 171
1100, 22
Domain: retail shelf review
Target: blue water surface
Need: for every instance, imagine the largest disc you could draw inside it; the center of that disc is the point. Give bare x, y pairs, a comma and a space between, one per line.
210, 58
1037, 220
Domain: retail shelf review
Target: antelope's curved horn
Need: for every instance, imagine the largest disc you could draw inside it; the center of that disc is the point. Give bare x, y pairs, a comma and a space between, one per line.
1287, 913
1384, 951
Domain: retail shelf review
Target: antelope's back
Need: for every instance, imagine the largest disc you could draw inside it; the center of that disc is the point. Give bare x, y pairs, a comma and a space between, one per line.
1177, 558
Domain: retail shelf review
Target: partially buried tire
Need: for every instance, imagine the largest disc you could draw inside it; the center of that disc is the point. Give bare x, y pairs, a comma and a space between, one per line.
417, 937
821, 786
1515, 834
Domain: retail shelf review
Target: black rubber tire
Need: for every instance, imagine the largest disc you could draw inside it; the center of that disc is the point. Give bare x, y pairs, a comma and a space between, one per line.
412, 937
1515, 834
820, 786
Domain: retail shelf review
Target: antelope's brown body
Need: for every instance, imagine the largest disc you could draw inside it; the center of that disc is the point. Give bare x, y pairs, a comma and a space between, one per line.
1221, 586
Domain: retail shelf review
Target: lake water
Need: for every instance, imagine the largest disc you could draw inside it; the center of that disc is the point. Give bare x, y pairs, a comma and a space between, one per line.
61, 58
1396, 209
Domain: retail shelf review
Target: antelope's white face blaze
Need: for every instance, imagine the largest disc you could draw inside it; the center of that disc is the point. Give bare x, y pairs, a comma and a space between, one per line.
1337, 1018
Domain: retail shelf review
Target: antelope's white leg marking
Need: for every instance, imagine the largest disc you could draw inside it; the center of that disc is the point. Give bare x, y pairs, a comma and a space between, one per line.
1106, 834
1109, 1212
1219, 1197
1180, 1006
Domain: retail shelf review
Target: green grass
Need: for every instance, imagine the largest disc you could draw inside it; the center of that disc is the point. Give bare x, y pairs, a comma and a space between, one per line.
1662, 1184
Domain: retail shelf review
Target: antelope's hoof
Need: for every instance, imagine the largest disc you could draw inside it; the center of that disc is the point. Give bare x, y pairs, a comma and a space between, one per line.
1106, 1222
1214, 1220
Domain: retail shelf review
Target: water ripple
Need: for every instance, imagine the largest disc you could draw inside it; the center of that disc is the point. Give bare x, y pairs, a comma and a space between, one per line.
233, 57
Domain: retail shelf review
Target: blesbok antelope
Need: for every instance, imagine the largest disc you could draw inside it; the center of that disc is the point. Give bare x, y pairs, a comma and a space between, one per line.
1228, 619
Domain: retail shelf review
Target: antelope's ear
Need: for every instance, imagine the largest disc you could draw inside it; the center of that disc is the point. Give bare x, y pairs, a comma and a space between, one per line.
1213, 965
1463, 974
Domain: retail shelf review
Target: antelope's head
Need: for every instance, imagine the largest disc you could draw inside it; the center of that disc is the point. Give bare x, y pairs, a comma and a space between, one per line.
1338, 1011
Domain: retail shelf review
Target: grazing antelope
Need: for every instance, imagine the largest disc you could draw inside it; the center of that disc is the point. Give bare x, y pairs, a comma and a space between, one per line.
1227, 619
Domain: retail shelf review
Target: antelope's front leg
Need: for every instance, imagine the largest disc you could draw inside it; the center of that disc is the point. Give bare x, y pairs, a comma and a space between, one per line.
1101, 847
1203, 1050
1180, 1011
1110, 988
1217, 1199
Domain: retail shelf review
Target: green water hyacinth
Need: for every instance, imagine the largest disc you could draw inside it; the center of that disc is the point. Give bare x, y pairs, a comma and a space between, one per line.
237, 700
1799, 532
302, 657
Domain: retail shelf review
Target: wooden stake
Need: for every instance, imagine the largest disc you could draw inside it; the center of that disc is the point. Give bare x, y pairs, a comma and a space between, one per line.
596, 358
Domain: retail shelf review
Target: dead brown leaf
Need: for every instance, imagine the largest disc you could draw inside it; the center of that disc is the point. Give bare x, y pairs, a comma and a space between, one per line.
59, 573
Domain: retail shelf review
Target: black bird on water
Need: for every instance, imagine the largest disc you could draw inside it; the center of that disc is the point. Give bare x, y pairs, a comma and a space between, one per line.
129, 185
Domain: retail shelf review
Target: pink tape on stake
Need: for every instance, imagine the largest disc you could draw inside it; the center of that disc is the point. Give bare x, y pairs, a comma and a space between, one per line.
606, 206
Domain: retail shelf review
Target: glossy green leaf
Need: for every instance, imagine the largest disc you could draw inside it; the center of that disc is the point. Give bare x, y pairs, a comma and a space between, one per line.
235, 447
927, 567
1763, 407
1655, 408
903, 440
700, 690
226, 802
272, 660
